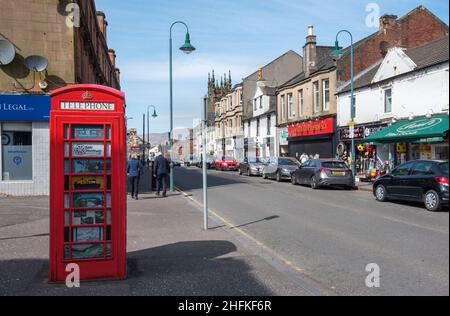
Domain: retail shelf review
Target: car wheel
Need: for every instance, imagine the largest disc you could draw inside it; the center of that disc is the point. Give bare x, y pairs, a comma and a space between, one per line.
278, 177
293, 180
432, 201
314, 184
381, 193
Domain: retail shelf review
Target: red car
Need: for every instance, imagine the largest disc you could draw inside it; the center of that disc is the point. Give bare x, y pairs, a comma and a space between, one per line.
226, 164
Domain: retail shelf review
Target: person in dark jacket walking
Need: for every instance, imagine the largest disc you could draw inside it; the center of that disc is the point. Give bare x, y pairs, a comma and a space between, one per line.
161, 169
134, 169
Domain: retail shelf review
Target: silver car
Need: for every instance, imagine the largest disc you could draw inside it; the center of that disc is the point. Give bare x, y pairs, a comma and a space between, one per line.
252, 167
280, 168
320, 173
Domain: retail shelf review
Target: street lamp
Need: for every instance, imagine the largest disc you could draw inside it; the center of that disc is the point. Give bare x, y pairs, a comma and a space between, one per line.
186, 48
154, 115
337, 54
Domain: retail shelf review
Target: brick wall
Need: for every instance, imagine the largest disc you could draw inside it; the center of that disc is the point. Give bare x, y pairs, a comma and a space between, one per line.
414, 29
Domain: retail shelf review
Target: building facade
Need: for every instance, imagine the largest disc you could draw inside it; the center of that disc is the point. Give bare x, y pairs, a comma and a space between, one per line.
306, 105
259, 105
69, 53
409, 87
228, 125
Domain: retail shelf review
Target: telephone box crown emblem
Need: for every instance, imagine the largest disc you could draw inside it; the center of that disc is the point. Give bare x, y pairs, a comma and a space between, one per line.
87, 96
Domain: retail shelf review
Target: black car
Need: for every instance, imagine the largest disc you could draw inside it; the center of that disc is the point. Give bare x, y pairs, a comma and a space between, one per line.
423, 181
320, 173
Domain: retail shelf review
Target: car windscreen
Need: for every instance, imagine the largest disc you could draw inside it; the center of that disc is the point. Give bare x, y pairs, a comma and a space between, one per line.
334, 165
444, 168
288, 162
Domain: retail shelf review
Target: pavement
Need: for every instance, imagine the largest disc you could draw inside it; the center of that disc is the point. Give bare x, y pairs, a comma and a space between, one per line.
168, 255
332, 235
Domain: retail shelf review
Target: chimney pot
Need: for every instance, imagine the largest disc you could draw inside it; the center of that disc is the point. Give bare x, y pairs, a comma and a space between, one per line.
310, 30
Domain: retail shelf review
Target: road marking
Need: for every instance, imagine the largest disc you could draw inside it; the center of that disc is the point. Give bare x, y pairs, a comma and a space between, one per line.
243, 233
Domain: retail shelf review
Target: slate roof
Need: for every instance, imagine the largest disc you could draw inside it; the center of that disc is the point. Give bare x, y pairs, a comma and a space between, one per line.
429, 54
325, 61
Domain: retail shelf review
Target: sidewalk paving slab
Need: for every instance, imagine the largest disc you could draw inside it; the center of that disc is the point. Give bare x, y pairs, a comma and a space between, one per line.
168, 254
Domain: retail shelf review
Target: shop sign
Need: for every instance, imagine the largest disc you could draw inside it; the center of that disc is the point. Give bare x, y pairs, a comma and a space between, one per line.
320, 127
87, 106
371, 130
24, 107
284, 134
346, 133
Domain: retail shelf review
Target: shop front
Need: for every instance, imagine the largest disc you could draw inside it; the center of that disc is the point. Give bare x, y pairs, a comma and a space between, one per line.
283, 141
368, 155
317, 137
24, 150
421, 138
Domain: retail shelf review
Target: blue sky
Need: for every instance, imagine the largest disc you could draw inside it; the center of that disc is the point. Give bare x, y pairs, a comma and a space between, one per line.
240, 36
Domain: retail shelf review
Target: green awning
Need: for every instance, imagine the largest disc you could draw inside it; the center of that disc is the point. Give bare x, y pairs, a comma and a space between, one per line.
412, 130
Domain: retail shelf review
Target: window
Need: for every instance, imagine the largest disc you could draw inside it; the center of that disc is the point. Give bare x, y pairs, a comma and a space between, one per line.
316, 97
403, 170
17, 152
257, 127
301, 103
290, 108
260, 102
283, 107
326, 94
255, 105
388, 100
269, 123
423, 168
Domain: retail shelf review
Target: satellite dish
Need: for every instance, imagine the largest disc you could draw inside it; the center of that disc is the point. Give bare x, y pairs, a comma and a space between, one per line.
36, 63
7, 52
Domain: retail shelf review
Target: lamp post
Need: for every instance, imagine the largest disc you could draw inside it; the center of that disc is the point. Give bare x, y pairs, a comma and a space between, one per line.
186, 48
338, 53
154, 115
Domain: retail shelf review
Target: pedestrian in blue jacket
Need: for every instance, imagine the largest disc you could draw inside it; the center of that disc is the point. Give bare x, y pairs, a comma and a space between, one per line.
134, 169
161, 170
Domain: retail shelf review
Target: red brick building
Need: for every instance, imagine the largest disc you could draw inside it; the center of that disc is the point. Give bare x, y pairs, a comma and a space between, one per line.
414, 29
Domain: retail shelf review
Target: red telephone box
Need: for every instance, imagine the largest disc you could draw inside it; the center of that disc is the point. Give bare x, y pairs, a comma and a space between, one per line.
87, 182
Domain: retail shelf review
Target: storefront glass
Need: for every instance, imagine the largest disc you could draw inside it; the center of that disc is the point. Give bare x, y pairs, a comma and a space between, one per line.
17, 155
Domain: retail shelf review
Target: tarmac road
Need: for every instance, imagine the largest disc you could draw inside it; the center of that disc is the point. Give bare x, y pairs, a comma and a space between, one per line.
332, 235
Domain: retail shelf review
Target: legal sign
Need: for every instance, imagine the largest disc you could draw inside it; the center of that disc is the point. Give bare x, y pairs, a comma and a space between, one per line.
24, 107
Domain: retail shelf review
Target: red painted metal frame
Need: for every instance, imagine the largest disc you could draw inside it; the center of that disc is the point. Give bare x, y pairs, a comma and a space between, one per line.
113, 267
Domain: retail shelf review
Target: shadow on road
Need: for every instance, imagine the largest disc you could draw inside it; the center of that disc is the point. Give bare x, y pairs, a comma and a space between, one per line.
258, 221
190, 179
193, 268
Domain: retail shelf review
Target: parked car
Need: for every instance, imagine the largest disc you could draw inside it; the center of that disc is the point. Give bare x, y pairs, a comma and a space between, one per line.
210, 163
321, 172
280, 168
423, 181
252, 167
226, 163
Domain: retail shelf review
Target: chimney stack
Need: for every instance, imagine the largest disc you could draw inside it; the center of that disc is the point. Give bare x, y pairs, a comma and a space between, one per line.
102, 23
310, 52
387, 21
112, 57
